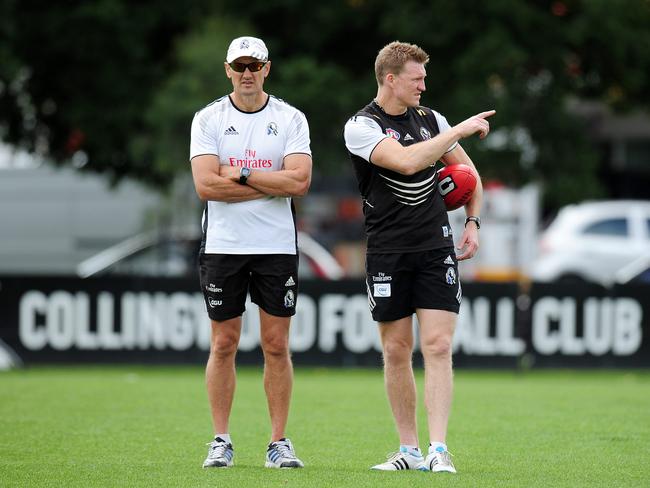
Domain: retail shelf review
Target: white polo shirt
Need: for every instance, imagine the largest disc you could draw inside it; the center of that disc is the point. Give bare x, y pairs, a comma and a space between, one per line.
260, 141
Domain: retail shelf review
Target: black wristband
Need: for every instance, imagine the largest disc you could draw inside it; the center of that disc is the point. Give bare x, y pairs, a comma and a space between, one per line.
476, 220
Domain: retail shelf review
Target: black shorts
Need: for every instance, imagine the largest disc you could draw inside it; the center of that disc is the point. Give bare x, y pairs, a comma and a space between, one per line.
398, 283
271, 278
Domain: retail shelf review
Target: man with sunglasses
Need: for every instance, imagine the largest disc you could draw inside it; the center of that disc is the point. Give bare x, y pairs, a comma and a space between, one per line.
411, 265
250, 155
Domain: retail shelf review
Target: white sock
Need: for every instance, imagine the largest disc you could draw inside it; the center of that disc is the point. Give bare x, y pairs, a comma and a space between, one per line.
225, 437
435, 445
412, 450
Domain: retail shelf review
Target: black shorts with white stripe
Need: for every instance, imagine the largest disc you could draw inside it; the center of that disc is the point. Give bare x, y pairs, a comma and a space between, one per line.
271, 279
399, 283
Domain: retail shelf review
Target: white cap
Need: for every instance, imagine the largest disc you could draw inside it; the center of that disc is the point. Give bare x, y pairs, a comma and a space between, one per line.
247, 46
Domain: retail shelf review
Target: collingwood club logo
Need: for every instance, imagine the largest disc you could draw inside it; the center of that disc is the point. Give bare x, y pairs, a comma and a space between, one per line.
425, 134
244, 44
289, 299
272, 129
450, 277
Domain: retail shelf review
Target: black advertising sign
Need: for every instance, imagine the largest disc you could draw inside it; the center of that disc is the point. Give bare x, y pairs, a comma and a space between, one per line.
70, 320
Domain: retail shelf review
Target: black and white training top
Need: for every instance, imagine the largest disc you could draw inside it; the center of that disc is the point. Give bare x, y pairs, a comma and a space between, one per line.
402, 213
258, 140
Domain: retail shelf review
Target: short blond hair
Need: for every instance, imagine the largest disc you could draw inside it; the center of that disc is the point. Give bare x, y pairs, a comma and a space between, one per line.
392, 58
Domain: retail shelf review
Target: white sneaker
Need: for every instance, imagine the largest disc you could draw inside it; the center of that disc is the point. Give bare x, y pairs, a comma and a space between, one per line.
402, 459
280, 454
438, 461
220, 454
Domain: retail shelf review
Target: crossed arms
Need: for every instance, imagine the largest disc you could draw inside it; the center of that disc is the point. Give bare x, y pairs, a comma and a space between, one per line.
217, 182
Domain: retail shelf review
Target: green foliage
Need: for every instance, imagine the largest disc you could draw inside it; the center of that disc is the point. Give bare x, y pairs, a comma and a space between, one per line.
307, 84
525, 59
198, 79
121, 80
82, 75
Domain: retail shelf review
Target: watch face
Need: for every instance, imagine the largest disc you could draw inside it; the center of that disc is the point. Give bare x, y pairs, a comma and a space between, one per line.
245, 172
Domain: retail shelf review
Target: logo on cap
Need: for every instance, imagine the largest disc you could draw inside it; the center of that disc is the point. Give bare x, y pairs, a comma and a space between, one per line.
244, 44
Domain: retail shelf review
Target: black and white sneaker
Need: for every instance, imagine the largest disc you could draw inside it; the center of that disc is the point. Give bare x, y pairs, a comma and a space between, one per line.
220, 454
280, 454
402, 459
439, 461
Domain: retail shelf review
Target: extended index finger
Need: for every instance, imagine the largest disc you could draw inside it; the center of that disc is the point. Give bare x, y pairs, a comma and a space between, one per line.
489, 113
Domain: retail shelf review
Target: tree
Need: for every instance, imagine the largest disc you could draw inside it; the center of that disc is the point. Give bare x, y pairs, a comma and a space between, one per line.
80, 75
198, 79
96, 76
526, 59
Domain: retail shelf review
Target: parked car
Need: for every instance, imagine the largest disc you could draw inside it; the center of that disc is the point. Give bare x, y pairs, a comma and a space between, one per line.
175, 255
601, 241
638, 271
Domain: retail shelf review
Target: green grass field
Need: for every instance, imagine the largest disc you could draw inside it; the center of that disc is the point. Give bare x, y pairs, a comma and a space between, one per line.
147, 426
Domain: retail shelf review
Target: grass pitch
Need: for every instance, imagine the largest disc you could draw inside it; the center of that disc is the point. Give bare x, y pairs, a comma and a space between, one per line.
147, 426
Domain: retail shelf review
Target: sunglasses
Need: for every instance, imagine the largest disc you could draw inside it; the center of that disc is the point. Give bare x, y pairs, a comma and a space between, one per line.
253, 67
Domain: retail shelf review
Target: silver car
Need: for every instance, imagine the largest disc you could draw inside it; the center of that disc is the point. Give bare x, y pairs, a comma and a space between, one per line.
599, 241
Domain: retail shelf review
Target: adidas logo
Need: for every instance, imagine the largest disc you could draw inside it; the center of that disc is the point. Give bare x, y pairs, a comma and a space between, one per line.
290, 282
231, 131
449, 260
408, 137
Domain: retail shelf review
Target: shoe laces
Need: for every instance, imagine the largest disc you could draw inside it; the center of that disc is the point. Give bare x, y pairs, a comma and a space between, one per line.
444, 457
392, 456
218, 449
285, 449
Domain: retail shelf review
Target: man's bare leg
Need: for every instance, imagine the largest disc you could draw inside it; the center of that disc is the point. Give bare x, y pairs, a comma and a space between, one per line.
436, 334
397, 345
220, 371
278, 370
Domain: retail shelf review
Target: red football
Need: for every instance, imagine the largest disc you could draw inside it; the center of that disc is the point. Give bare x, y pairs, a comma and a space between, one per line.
456, 183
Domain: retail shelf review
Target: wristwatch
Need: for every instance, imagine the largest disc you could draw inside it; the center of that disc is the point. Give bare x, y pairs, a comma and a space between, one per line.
244, 173
476, 220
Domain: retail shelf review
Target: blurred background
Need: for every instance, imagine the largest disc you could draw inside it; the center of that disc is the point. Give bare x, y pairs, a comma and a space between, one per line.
96, 196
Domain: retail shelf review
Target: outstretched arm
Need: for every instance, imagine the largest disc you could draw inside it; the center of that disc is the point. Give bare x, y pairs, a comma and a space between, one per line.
408, 160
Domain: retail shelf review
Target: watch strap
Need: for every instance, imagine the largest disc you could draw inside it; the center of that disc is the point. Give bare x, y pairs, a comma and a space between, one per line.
244, 173
475, 219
